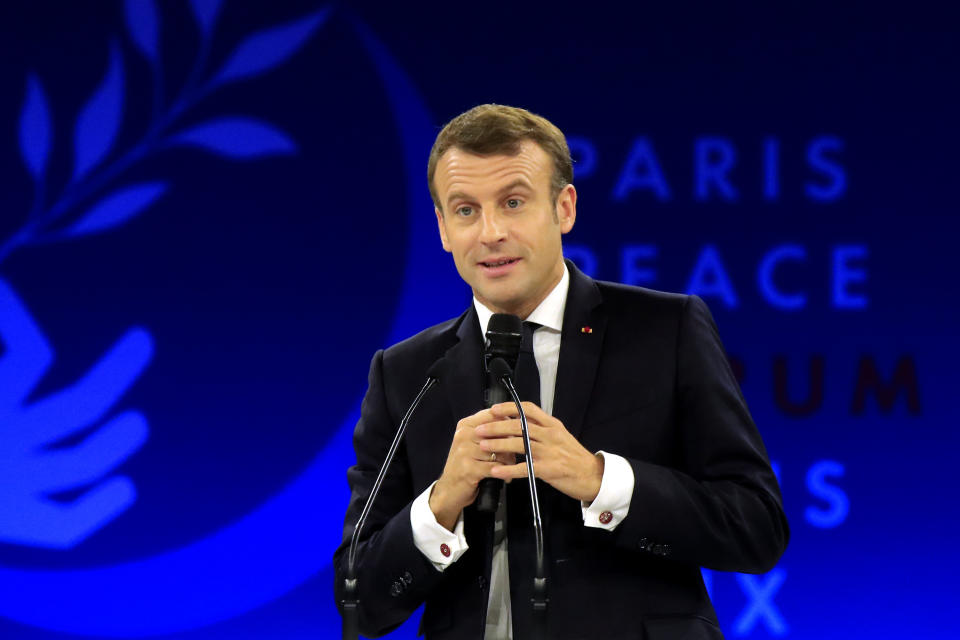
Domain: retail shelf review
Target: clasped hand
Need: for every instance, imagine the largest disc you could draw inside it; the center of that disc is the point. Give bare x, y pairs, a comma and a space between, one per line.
485, 445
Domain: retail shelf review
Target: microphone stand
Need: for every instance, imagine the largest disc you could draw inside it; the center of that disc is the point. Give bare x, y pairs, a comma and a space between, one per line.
539, 600
351, 600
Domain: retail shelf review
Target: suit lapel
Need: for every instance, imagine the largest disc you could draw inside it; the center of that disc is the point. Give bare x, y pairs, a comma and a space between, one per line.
462, 381
581, 342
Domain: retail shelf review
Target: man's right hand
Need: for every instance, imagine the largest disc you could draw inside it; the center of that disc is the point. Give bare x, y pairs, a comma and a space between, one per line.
467, 464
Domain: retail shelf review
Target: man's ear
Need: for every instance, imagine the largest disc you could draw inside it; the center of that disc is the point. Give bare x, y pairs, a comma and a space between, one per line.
567, 208
443, 230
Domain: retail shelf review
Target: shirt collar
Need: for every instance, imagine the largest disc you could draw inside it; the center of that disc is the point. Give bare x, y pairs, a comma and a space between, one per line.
548, 313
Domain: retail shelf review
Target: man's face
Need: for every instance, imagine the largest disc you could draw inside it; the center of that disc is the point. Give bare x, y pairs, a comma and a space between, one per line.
502, 226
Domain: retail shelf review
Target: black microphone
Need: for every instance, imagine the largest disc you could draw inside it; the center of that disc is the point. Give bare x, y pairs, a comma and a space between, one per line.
351, 600
504, 334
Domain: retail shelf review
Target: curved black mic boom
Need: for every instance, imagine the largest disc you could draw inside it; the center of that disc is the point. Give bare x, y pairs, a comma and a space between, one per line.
539, 599
351, 601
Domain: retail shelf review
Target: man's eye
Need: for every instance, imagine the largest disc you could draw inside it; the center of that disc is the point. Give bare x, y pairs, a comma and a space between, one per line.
464, 211
513, 203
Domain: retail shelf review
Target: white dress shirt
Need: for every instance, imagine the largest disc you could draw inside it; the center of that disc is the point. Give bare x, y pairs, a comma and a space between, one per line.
616, 486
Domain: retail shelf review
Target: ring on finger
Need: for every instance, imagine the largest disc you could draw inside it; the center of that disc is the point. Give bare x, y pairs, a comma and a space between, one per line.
493, 457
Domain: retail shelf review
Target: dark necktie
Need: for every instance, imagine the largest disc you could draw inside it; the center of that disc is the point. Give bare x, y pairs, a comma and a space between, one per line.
527, 375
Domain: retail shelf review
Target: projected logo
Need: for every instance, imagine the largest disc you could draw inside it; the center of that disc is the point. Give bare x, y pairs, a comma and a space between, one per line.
254, 559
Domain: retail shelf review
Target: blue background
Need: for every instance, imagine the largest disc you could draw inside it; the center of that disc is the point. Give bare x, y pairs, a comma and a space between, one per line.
172, 464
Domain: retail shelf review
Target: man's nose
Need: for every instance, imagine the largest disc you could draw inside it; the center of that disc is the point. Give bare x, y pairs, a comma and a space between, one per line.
493, 228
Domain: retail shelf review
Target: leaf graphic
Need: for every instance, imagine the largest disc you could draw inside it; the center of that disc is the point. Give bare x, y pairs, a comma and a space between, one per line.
270, 47
237, 137
142, 23
118, 207
99, 120
35, 128
205, 11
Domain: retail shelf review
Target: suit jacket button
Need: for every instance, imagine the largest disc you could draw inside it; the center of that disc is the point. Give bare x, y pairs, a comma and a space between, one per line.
658, 549
482, 582
445, 550
396, 589
643, 543
666, 549
606, 517
407, 578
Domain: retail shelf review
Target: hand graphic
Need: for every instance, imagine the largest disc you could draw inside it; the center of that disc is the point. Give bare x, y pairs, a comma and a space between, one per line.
30, 470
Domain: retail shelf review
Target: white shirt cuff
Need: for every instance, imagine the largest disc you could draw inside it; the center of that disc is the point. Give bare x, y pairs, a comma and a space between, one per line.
612, 503
441, 547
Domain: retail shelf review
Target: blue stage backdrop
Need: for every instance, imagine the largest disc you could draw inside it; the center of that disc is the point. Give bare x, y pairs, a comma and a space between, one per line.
215, 212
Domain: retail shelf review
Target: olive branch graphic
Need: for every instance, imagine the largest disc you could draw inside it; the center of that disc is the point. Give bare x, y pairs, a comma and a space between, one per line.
98, 122
30, 471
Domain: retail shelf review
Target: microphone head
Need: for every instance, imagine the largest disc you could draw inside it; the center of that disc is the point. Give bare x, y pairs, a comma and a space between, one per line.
504, 334
505, 323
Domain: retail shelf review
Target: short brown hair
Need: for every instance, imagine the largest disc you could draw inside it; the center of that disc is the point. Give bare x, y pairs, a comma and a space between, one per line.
490, 129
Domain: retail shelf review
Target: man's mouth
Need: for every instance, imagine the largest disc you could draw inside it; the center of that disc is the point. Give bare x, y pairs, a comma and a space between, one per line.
498, 262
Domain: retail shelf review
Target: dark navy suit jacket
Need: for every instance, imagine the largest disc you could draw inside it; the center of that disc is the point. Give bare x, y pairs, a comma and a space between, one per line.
650, 382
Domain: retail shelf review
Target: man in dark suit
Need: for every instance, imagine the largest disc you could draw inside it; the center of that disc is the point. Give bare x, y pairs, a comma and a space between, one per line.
648, 463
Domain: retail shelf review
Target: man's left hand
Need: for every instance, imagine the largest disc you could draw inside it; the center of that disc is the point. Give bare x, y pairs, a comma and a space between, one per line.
560, 460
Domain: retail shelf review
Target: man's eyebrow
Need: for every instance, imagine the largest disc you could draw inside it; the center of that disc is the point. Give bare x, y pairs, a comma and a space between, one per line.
518, 183
457, 195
